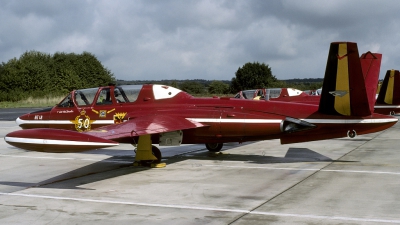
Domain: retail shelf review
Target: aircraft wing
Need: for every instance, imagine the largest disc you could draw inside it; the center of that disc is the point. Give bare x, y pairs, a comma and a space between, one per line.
57, 140
152, 124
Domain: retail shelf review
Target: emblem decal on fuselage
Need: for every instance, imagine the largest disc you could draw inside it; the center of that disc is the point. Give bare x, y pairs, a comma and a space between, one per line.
119, 117
103, 113
338, 93
82, 122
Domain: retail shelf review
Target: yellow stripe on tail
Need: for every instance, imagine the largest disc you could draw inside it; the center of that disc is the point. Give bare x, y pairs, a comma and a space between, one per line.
342, 101
389, 89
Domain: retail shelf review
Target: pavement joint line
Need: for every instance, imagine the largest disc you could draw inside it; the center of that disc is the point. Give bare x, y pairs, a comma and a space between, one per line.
244, 167
321, 170
125, 203
342, 218
327, 217
35, 157
191, 151
362, 171
261, 167
58, 158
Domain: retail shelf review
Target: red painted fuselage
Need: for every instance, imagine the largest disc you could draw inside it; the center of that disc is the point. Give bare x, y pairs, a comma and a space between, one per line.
147, 114
223, 119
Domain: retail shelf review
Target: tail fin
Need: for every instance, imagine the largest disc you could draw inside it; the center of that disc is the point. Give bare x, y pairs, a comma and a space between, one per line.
390, 89
343, 90
371, 65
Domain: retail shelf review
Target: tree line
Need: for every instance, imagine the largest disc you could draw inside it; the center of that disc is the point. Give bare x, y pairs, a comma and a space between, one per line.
250, 76
36, 74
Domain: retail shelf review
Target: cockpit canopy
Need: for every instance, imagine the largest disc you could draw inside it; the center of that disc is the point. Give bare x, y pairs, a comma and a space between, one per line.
111, 95
276, 92
268, 93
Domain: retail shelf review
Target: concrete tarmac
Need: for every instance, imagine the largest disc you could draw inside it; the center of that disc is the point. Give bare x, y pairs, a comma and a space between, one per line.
11, 114
340, 181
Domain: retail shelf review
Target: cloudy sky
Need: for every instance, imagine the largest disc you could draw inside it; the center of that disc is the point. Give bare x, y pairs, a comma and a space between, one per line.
202, 39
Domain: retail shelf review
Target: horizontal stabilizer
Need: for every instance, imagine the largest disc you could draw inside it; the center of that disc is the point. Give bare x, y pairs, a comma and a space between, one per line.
56, 140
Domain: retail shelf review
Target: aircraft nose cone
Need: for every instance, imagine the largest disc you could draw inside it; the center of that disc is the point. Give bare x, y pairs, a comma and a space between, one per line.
19, 121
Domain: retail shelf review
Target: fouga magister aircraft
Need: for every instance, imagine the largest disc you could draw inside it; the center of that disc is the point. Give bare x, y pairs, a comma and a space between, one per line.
387, 102
279, 94
370, 65
157, 114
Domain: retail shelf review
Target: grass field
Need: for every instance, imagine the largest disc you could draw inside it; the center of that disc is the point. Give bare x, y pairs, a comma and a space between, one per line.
33, 102
52, 101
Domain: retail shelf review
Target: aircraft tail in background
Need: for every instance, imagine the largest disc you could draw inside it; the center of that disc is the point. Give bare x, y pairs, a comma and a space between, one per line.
390, 89
371, 66
343, 90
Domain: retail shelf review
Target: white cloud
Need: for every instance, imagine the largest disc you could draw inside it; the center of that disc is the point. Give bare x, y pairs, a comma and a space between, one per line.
179, 39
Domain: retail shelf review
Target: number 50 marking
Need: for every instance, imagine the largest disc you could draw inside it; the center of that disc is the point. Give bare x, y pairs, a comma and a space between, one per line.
82, 124
85, 123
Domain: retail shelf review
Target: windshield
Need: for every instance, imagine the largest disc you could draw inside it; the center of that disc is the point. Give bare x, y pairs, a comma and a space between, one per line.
274, 92
248, 94
127, 93
66, 102
85, 97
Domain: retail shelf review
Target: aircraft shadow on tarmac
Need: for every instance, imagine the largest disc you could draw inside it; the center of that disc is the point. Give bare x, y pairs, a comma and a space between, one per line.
121, 164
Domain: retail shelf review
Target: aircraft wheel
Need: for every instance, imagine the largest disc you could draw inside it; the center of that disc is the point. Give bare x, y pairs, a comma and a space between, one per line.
392, 113
157, 153
351, 133
214, 147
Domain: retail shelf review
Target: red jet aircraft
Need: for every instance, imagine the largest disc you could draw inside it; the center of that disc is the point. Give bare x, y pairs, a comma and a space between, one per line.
279, 94
157, 114
387, 102
370, 65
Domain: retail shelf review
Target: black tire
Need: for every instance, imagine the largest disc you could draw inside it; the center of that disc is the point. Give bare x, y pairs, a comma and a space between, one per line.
214, 147
351, 134
157, 153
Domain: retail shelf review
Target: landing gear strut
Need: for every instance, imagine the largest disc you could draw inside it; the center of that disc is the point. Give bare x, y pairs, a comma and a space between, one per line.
148, 154
214, 147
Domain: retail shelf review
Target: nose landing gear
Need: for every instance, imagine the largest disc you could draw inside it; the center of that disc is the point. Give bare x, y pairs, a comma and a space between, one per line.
214, 147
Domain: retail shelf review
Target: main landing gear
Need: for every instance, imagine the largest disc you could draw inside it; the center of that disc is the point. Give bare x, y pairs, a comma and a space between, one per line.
214, 147
148, 154
351, 133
